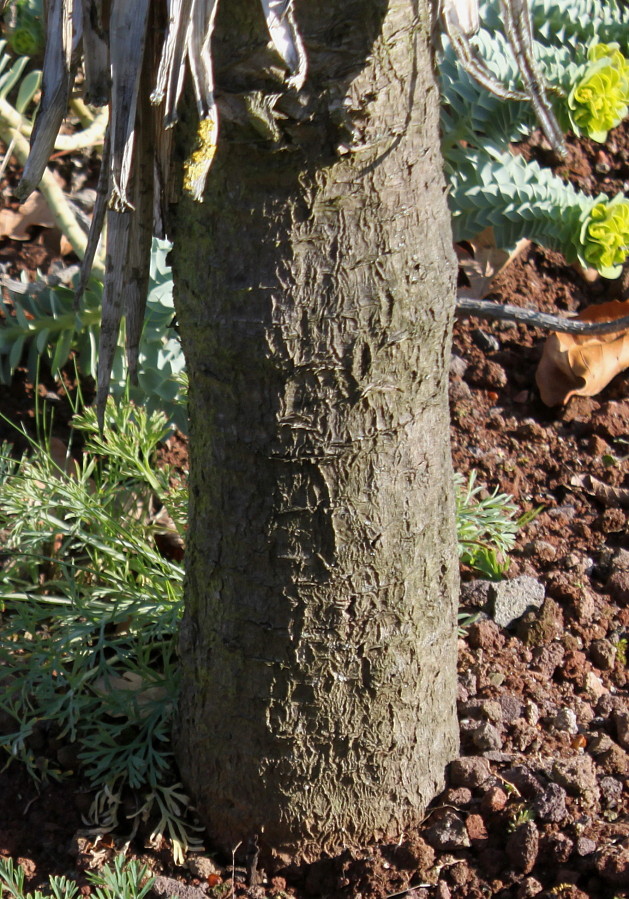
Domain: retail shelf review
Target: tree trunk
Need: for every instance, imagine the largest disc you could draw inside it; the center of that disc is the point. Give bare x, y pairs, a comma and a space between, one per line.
315, 294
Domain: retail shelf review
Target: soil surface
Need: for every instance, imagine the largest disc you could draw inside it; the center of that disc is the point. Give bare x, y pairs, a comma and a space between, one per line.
537, 804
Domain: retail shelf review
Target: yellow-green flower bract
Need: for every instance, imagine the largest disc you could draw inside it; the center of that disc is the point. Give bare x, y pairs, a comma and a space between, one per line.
605, 236
600, 100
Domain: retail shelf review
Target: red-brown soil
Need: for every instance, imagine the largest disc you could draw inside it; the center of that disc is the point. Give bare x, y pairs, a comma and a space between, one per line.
540, 806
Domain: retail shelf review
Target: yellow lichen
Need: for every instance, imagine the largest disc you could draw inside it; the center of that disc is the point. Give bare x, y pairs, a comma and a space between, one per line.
198, 163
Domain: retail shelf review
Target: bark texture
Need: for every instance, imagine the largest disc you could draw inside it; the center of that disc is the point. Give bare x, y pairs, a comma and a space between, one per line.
315, 293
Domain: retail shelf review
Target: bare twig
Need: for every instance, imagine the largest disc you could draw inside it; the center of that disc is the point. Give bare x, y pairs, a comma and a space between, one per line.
467, 307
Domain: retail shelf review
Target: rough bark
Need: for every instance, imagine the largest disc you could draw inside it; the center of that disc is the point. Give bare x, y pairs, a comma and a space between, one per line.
314, 290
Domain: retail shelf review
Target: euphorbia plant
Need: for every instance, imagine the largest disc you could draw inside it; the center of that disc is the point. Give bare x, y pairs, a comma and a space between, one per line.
605, 236
600, 100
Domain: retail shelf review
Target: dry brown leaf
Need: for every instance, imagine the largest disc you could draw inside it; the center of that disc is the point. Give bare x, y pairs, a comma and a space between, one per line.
130, 682
581, 364
610, 496
484, 262
35, 211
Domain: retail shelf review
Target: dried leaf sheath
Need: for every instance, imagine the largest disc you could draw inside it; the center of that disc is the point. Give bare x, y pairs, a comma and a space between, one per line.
56, 83
171, 69
286, 39
95, 53
127, 37
118, 231
137, 263
98, 220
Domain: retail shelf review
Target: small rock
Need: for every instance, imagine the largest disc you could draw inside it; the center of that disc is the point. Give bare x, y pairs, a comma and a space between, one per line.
470, 771
557, 848
442, 890
585, 846
618, 580
476, 829
458, 365
603, 654
531, 713
484, 341
548, 658
485, 635
512, 598
475, 593
487, 375
530, 429
621, 720
565, 720
611, 791
613, 865
459, 391
594, 686
202, 867
610, 758
494, 800
511, 706
523, 846
551, 805
578, 776
618, 587
528, 888
457, 796
486, 737
448, 832
525, 782
540, 549
165, 887
538, 628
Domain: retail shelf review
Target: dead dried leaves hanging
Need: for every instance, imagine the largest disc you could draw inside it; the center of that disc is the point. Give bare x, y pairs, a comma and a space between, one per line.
143, 97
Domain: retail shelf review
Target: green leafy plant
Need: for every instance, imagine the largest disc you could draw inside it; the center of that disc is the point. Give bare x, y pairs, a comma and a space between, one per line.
521, 199
122, 880
24, 24
588, 80
605, 236
487, 526
599, 101
91, 611
584, 71
42, 321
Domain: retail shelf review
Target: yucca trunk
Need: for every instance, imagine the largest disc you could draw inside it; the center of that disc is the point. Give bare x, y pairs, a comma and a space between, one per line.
314, 291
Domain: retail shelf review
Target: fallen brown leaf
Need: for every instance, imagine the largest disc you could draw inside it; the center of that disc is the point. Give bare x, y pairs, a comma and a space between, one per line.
483, 262
610, 496
581, 364
14, 223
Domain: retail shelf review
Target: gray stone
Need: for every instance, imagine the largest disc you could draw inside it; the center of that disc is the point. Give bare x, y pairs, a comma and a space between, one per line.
565, 721
512, 598
551, 805
448, 832
621, 720
578, 776
470, 771
165, 887
523, 846
603, 654
486, 737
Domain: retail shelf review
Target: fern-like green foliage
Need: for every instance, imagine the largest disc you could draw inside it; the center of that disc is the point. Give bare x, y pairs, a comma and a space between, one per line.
122, 880
42, 321
91, 612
